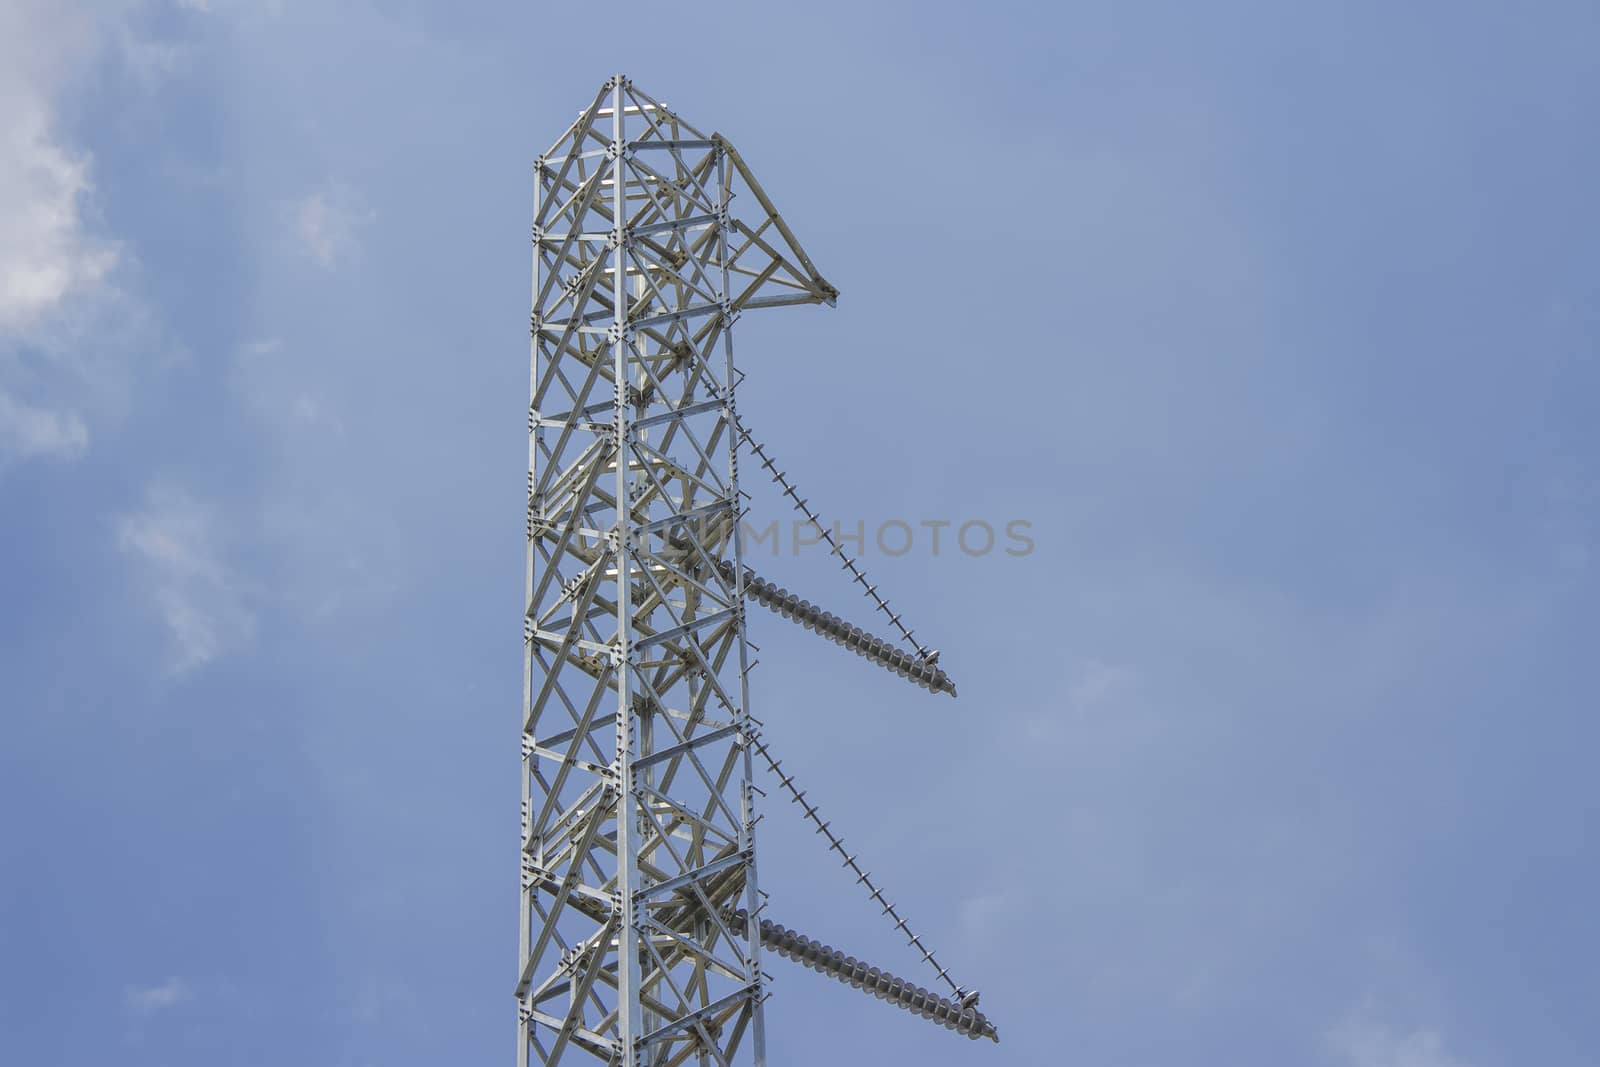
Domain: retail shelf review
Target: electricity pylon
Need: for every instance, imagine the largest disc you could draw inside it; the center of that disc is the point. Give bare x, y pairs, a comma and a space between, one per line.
642, 929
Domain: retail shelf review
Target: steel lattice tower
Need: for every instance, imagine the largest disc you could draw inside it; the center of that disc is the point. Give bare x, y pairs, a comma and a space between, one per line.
641, 930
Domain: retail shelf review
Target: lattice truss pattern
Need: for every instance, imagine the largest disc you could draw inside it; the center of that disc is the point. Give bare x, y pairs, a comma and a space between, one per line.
638, 862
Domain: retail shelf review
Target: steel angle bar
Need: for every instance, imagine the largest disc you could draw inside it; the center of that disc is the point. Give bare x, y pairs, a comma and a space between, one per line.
671, 751
679, 315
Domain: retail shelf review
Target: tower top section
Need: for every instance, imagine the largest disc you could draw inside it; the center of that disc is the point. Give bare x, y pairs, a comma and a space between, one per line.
675, 176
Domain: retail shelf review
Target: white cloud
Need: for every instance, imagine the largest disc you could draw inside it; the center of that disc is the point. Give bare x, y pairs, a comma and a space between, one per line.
150, 60
1565, 517
263, 347
29, 431
327, 223
984, 914
1361, 1041
381, 998
283, 392
1093, 691
69, 331
316, 517
237, 8
146, 1000
47, 252
1095, 683
201, 600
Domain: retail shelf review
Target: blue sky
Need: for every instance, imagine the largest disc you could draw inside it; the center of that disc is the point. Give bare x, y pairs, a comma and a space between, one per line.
1277, 322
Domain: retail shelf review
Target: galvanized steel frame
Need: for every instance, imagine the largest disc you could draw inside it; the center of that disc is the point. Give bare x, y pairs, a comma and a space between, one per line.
638, 859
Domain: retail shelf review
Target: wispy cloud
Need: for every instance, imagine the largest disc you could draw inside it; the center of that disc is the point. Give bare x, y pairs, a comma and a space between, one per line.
1362, 1041
1568, 505
151, 60
1094, 688
328, 222
47, 252
27, 431
68, 327
1096, 682
282, 392
237, 8
983, 914
147, 1000
201, 600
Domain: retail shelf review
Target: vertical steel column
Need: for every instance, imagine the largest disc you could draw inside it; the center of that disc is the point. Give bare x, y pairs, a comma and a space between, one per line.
752, 890
525, 912
628, 962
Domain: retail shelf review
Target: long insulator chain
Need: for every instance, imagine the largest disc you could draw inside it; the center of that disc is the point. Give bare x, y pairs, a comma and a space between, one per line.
862, 877
915, 668
802, 506
960, 1015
